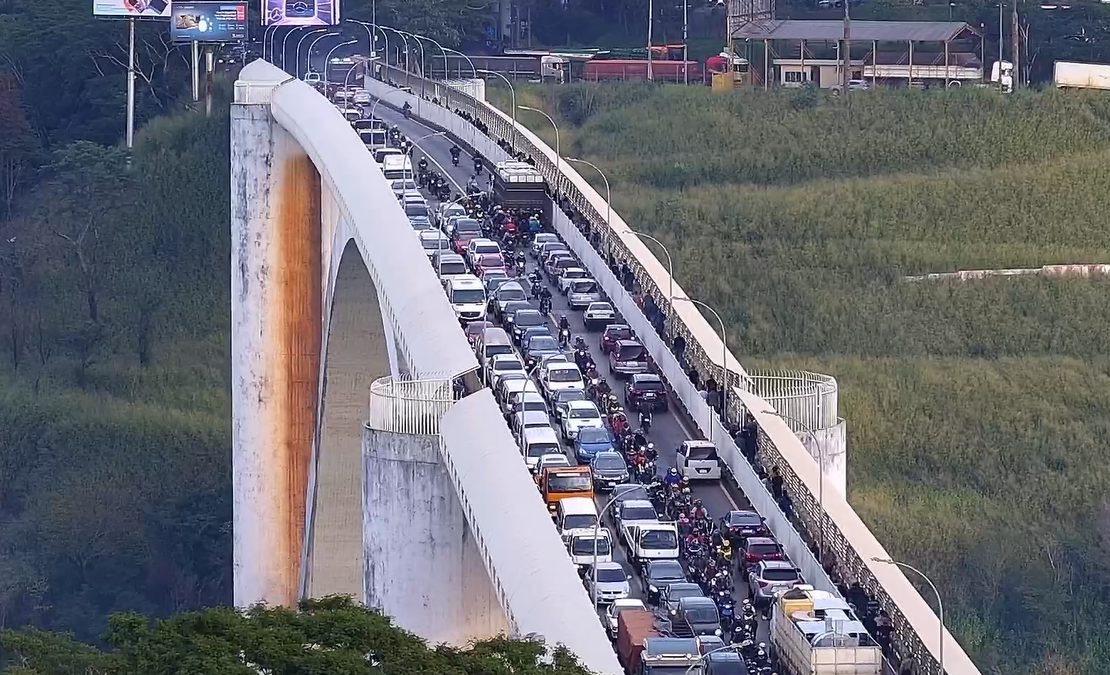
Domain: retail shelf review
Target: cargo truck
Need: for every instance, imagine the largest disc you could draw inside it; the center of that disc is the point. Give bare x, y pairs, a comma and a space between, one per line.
669, 656
1071, 75
634, 626
520, 186
816, 633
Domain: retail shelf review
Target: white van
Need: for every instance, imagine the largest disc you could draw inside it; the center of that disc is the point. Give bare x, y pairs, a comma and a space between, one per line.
381, 153
575, 513
581, 546
397, 167
538, 442
467, 296
448, 265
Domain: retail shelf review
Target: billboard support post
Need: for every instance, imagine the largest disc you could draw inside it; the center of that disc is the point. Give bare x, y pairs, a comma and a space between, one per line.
131, 83
196, 71
209, 67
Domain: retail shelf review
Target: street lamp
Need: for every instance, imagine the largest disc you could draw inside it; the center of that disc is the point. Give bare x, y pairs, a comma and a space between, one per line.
284, 40
380, 98
597, 528
512, 91
406, 41
369, 28
558, 153
420, 46
308, 55
267, 37
724, 352
468, 60
670, 264
940, 603
608, 192
820, 476
297, 51
327, 62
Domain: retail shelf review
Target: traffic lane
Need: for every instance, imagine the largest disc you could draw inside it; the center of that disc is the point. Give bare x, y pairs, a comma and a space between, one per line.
438, 147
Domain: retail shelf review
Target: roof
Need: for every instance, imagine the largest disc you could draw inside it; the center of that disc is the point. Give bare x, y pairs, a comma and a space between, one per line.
862, 31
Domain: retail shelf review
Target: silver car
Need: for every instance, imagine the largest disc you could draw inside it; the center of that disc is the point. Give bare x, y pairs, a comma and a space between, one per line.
582, 292
612, 582
771, 577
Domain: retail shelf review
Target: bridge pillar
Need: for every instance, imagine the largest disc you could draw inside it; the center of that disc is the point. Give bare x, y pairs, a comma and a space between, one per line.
422, 566
275, 350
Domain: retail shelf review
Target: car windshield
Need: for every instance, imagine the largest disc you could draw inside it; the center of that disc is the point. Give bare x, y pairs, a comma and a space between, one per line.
779, 575
488, 249
511, 293
610, 575
528, 317
742, 519
648, 385
610, 462
496, 350
667, 571
543, 343
763, 549
564, 375
434, 244
592, 434
702, 453
583, 287
540, 449
585, 546
507, 364
416, 209
658, 539
538, 406
467, 226
578, 520
584, 413
639, 513
569, 482
622, 333
601, 307
632, 353
703, 614
448, 268
468, 296
676, 594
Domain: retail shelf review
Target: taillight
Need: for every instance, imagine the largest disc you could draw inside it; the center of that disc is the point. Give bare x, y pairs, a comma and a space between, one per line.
763, 584
749, 557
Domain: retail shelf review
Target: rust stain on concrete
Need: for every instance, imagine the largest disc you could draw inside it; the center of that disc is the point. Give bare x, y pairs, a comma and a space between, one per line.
298, 315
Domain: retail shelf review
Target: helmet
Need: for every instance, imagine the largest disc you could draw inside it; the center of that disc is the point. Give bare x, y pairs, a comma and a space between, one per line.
651, 446
672, 472
697, 502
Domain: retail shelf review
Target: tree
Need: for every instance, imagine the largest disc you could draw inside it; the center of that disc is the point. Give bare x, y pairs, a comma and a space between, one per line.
17, 142
332, 635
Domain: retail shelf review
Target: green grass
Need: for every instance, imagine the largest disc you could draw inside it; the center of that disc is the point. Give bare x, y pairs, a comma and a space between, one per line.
978, 412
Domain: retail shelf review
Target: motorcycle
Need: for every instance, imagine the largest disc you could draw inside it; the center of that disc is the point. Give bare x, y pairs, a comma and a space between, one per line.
645, 420
520, 268
406, 110
455, 160
545, 305
564, 337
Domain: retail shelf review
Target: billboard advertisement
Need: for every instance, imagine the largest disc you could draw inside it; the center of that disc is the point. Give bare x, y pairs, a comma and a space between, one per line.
145, 9
209, 21
300, 12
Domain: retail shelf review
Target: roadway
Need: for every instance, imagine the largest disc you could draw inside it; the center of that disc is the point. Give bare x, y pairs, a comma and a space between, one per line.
668, 429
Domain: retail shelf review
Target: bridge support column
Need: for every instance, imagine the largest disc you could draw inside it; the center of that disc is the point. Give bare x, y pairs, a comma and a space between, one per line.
275, 350
423, 568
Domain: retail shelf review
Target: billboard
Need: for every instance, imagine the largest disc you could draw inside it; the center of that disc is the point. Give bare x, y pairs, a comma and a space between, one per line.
146, 9
300, 12
209, 21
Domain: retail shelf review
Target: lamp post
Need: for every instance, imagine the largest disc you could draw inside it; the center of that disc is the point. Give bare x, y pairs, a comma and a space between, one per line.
558, 153
446, 89
267, 38
651, 20
820, 476
308, 55
406, 41
369, 28
597, 527
297, 51
468, 60
512, 91
327, 62
380, 98
724, 352
940, 603
284, 40
608, 192
670, 264
420, 46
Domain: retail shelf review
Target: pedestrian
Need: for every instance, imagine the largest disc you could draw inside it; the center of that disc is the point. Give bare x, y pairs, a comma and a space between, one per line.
695, 377
679, 346
776, 483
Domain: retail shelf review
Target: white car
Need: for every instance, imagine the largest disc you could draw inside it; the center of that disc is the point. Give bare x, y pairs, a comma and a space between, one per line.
598, 315
569, 275
556, 376
613, 612
698, 460
480, 247
539, 240
548, 461
580, 415
582, 544
448, 210
612, 582
526, 419
434, 240
583, 293
502, 363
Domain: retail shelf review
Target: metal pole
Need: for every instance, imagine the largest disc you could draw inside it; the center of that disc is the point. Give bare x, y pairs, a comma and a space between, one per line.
670, 263
267, 37
196, 71
284, 40
846, 76
468, 60
1001, 38
686, 43
940, 603
327, 61
297, 51
651, 19
130, 83
209, 63
724, 353
597, 526
608, 196
512, 90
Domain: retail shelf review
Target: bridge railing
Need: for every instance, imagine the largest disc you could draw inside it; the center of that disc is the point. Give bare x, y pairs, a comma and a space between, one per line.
805, 399
917, 634
409, 406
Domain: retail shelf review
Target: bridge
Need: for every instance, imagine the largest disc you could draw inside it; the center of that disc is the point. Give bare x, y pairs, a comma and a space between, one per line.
356, 469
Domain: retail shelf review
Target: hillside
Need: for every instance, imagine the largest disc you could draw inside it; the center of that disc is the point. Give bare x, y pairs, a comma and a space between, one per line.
977, 412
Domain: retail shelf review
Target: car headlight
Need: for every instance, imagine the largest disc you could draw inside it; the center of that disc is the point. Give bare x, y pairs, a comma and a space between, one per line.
717, 632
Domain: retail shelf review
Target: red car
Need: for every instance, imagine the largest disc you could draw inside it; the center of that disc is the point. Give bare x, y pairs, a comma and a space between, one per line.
465, 230
488, 262
612, 334
756, 549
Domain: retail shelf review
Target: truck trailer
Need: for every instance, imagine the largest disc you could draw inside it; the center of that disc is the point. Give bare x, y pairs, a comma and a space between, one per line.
816, 633
1072, 75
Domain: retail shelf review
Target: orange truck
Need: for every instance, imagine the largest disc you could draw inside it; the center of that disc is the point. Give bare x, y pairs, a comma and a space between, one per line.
633, 627
560, 482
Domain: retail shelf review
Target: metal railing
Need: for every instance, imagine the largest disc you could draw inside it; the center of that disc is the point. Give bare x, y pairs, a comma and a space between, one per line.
409, 406
805, 399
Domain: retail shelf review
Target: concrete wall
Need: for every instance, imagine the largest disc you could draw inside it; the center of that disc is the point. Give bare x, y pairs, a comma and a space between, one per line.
422, 566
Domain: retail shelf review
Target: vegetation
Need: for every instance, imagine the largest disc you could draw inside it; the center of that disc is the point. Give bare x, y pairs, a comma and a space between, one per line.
977, 411
324, 636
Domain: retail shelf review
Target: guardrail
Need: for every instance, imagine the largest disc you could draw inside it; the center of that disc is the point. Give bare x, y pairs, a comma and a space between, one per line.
805, 399
917, 634
409, 406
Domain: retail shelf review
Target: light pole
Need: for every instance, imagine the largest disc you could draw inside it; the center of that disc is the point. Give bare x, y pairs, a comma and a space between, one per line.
558, 152
597, 527
297, 51
468, 60
380, 98
608, 192
820, 476
406, 41
724, 352
670, 264
308, 55
267, 38
327, 62
512, 91
686, 42
289, 32
420, 46
651, 20
711, 651
369, 33
940, 603
446, 68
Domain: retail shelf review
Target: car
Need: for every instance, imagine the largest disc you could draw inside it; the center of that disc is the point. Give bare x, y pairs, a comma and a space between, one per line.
500, 364
493, 280
669, 596
480, 246
580, 415
489, 262
768, 578
633, 512
582, 292
548, 248
569, 275
598, 314
612, 334
562, 397
757, 549
738, 525
448, 210
402, 185
725, 662
698, 460
658, 574
537, 443
592, 441
527, 419
462, 231
523, 319
558, 376
613, 612
538, 347
696, 616
628, 358
609, 581
645, 392
510, 388
711, 643
528, 400
609, 470
508, 309
555, 265
589, 545
408, 196
548, 461
539, 240
474, 329
422, 224
418, 209
534, 332
432, 241
449, 265
629, 492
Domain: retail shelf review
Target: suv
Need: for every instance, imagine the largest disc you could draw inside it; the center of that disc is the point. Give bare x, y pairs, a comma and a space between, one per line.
696, 616
645, 391
757, 549
769, 578
628, 357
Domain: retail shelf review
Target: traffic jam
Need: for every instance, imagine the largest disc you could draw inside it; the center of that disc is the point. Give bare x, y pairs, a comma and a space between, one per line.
684, 578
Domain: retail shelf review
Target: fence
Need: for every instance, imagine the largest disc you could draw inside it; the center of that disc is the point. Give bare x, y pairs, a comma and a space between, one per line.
915, 635
804, 399
409, 406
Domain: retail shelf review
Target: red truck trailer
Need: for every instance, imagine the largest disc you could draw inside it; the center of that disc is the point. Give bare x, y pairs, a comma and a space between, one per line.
633, 626
664, 71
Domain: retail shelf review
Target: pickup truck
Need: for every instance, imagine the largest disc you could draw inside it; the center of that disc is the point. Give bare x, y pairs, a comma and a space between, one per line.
650, 541
816, 633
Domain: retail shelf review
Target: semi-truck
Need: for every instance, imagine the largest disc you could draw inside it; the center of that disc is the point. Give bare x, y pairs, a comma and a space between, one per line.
1073, 75
603, 70
817, 633
520, 186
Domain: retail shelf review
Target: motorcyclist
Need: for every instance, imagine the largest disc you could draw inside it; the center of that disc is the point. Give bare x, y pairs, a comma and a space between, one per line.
472, 187
725, 550
406, 109
477, 165
422, 165
645, 419
545, 301
672, 479
534, 223
455, 152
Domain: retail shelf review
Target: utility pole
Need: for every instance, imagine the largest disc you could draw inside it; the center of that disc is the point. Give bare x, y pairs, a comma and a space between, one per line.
846, 75
1015, 38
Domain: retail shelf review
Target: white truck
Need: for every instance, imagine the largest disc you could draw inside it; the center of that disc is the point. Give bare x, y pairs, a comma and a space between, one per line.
1072, 75
816, 633
650, 541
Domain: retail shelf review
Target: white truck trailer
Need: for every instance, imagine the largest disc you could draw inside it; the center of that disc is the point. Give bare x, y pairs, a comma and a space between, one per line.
816, 633
1069, 74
